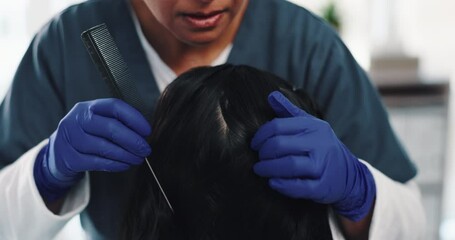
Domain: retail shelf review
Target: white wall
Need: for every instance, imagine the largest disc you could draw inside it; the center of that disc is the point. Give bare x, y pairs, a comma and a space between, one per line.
426, 30
13, 40
19, 21
447, 231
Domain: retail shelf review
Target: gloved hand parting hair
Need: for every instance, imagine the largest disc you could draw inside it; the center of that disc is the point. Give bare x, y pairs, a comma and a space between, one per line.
99, 135
303, 158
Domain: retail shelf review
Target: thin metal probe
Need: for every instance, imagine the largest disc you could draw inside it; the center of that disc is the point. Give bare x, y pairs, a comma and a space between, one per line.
159, 185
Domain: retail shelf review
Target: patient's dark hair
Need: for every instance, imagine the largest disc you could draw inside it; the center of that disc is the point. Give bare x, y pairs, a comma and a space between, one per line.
202, 129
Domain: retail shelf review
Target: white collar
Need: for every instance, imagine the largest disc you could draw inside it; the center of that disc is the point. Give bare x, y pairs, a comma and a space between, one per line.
161, 71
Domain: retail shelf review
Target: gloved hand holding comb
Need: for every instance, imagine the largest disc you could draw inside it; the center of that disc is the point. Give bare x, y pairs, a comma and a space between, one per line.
99, 135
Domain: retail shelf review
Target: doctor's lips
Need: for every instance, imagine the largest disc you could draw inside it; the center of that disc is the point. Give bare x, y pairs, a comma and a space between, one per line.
201, 20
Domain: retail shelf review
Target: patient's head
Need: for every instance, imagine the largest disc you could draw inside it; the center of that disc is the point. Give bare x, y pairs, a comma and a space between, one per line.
202, 129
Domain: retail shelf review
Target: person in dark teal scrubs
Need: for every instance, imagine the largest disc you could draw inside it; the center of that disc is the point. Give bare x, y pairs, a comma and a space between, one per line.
56, 73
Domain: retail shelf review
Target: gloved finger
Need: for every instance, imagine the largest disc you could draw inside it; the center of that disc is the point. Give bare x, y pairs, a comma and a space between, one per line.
98, 163
289, 167
280, 146
103, 148
128, 115
283, 107
281, 126
116, 132
297, 188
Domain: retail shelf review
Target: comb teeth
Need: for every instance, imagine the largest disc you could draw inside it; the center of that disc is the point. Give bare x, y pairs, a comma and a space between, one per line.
115, 72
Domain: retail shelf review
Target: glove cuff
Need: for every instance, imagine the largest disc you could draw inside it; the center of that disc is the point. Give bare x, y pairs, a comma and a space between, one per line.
48, 186
358, 207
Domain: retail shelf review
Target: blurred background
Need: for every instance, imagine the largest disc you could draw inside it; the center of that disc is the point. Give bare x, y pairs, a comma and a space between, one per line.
407, 46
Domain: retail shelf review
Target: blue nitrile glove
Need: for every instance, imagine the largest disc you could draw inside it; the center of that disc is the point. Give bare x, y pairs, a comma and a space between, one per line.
99, 135
303, 158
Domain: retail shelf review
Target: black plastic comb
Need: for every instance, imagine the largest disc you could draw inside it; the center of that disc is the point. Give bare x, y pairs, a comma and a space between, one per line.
107, 58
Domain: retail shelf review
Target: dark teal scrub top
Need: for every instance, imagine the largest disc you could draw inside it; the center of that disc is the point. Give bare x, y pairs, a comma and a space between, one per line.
275, 35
